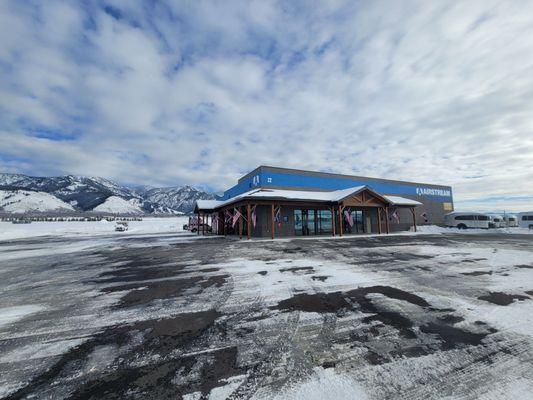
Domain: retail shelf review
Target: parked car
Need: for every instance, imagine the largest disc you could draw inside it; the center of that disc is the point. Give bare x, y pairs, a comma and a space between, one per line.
121, 226
464, 220
207, 228
21, 221
525, 220
511, 220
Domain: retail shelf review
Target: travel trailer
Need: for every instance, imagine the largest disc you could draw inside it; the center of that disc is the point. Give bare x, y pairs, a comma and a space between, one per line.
511, 220
498, 221
525, 220
464, 220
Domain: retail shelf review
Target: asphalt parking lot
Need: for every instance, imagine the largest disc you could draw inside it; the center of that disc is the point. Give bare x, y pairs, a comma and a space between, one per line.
175, 316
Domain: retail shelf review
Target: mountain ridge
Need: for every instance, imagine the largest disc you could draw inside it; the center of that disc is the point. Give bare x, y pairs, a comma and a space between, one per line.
96, 194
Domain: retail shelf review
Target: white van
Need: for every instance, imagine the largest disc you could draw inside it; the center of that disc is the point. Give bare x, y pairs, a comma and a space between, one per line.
525, 220
498, 220
511, 220
464, 220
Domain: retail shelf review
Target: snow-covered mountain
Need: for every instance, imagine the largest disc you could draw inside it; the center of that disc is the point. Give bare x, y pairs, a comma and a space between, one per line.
81, 192
118, 205
172, 199
23, 201
87, 194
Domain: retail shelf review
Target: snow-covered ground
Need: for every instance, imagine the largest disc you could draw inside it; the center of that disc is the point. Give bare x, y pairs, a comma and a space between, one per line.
440, 229
175, 224
76, 228
404, 316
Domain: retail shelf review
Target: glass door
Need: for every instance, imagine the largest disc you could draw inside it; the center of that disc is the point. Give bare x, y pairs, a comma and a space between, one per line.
305, 222
298, 222
311, 228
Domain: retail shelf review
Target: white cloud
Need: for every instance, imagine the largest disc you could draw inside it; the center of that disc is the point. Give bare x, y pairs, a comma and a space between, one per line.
203, 92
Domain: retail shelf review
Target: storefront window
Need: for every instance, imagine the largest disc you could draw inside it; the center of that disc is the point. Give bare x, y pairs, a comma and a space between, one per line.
324, 221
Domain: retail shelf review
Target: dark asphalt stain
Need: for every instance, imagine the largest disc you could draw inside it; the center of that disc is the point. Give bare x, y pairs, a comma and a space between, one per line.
144, 292
502, 299
451, 319
440, 325
321, 278
297, 269
477, 273
161, 337
453, 337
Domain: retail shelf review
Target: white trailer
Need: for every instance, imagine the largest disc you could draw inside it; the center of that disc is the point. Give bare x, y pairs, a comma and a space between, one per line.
498, 221
525, 220
464, 220
511, 220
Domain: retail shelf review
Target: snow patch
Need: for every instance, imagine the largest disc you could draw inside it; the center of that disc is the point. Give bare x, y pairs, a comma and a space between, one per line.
323, 384
8, 315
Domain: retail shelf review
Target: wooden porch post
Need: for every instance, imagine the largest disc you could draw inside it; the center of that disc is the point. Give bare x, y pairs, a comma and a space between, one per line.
414, 217
198, 224
340, 220
240, 224
249, 221
272, 221
379, 220
224, 222
333, 220
387, 219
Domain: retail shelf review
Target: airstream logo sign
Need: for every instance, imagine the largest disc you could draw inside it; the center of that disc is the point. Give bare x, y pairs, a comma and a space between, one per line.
433, 192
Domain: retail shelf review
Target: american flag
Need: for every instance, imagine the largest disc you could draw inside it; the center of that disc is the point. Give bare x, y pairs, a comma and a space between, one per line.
236, 217
278, 216
349, 218
254, 216
227, 217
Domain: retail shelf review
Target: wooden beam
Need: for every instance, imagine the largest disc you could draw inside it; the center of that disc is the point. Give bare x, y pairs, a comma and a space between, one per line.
224, 222
248, 221
387, 219
333, 223
272, 221
340, 220
198, 223
379, 220
414, 217
240, 224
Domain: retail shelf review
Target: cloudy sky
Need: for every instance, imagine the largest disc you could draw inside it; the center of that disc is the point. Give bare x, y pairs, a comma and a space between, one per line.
198, 92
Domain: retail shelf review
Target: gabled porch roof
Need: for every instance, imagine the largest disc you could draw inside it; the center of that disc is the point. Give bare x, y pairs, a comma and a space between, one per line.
335, 196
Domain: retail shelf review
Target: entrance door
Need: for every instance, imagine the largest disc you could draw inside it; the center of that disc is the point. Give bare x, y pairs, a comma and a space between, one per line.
304, 222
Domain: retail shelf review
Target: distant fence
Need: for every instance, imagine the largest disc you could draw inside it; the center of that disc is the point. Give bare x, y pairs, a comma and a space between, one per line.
34, 218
